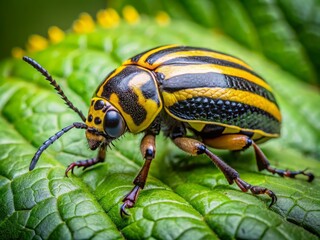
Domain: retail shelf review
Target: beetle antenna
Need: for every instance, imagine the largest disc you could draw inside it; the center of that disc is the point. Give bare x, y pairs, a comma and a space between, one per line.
52, 139
56, 86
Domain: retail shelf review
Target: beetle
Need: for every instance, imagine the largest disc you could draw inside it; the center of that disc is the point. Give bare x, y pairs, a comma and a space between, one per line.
171, 88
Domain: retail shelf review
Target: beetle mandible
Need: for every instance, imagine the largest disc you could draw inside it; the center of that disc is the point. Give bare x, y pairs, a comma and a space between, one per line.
172, 88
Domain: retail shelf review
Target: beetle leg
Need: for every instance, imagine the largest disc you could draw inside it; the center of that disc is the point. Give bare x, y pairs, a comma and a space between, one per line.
148, 150
88, 162
241, 142
195, 147
263, 163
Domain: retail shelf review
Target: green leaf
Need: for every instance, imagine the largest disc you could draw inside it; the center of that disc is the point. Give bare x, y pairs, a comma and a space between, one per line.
185, 197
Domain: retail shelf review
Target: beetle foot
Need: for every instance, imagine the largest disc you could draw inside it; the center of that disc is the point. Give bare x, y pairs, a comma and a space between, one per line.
82, 163
309, 175
129, 201
244, 186
126, 204
291, 174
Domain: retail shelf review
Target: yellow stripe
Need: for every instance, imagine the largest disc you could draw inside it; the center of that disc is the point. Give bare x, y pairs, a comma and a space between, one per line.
172, 70
229, 130
200, 53
197, 126
224, 94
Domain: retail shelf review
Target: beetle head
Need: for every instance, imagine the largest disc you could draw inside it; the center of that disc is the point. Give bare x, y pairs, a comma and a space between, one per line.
104, 122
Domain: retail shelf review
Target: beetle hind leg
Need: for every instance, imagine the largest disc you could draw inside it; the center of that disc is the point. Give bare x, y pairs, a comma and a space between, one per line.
240, 142
88, 162
263, 163
195, 147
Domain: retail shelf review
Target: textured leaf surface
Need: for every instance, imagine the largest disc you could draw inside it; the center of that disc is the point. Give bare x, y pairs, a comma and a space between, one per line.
185, 197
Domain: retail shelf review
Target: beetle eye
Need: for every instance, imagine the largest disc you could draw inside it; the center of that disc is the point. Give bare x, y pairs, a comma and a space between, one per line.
113, 124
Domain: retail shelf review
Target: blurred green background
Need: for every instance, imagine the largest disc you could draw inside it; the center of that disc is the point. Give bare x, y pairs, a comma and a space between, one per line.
285, 31
21, 18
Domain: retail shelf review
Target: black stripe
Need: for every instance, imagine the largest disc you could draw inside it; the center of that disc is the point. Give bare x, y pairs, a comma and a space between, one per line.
211, 131
137, 57
149, 91
155, 56
212, 79
225, 112
247, 133
195, 59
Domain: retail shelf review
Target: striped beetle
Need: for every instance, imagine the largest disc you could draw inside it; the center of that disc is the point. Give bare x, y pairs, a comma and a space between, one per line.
173, 88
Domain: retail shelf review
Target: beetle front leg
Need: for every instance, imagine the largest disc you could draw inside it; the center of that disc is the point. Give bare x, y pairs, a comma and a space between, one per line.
148, 150
88, 162
195, 147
